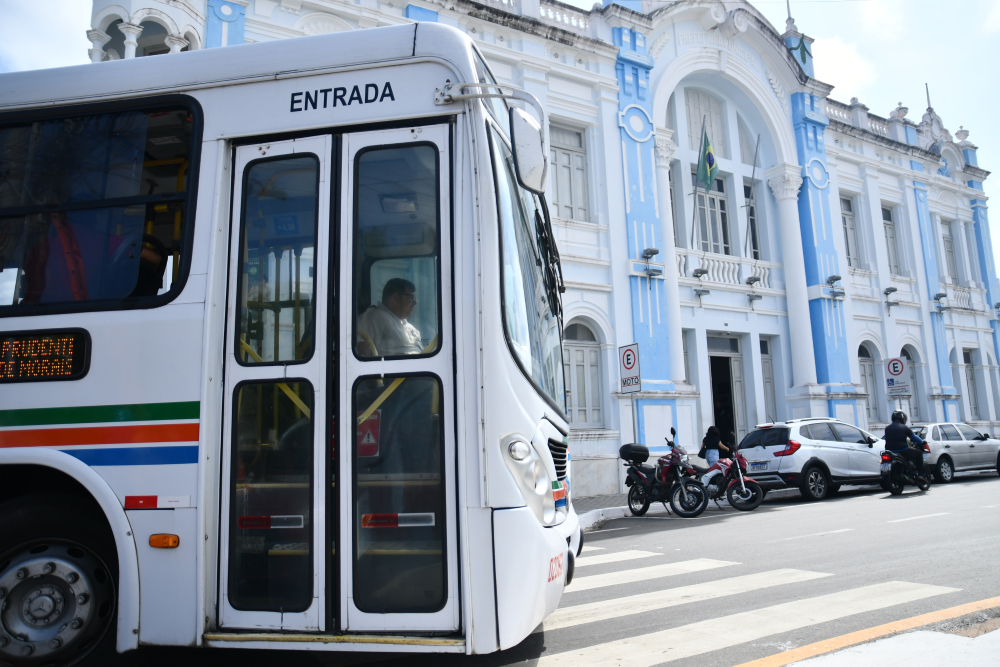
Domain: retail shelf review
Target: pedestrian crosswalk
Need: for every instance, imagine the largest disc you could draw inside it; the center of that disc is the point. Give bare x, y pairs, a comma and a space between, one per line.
697, 638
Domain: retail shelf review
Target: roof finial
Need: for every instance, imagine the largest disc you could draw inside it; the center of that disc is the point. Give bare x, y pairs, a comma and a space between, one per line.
928, 89
790, 22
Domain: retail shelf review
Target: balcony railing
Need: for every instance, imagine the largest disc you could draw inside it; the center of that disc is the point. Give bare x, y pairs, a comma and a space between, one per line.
512, 6
724, 269
565, 17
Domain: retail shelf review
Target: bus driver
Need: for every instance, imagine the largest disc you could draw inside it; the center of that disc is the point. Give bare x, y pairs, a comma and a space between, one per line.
383, 330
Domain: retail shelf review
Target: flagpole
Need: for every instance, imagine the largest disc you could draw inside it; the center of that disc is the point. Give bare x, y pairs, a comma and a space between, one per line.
694, 194
753, 192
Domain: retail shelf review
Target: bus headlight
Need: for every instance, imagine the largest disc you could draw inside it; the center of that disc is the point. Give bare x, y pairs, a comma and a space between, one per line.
519, 450
533, 478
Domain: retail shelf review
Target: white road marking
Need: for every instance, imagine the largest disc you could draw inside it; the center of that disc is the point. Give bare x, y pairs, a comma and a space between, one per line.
718, 633
607, 530
656, 600
799, 537
588, 549
616, 557
644, 573
925, 516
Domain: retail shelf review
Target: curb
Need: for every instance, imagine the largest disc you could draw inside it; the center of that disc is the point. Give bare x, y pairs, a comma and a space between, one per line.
590, 521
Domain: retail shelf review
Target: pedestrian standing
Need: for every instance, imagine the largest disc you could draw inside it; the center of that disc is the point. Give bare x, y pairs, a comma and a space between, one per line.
712, 445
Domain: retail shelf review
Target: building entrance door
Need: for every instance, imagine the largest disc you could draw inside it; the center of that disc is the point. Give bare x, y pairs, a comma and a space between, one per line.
728, 388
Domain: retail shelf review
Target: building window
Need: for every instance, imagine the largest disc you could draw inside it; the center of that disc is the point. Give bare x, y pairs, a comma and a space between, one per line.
569, 174
713, 217
582, 357
850, 232
869, 385
687, 366
970, 243
970, 385
948, 240
748, 145
890, 240
702, 106
673, 211
753, 227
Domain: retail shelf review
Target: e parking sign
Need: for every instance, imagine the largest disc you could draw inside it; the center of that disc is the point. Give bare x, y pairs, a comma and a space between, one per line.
628, 358
896, 379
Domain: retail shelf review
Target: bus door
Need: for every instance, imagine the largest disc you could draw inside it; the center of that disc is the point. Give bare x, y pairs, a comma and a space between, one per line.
273, 504
398, 561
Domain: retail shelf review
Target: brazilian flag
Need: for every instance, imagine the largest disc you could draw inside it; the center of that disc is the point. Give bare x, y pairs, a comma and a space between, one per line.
707, 166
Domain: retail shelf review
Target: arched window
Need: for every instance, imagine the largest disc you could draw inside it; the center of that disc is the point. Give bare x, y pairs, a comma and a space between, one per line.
582, 358
152, 40
913, 405
869, 385
704, 107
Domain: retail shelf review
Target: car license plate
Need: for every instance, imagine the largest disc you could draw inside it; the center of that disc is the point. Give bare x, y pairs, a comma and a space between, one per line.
886, 467
758, 465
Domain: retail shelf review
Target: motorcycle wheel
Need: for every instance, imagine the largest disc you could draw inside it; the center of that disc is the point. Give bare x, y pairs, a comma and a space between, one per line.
923, 483
696, 503
896, 482
637, 505
746, 500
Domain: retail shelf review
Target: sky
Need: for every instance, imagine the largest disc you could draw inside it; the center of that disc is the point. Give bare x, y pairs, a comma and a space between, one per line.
880, 51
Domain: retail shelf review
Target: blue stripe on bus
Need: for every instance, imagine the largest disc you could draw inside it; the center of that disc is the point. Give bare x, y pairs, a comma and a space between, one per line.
136, 456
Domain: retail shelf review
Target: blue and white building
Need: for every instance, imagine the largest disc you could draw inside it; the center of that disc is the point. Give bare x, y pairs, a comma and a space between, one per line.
832, 240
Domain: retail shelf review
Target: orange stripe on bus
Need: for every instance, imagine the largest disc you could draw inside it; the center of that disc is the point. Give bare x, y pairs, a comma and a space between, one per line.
102, 435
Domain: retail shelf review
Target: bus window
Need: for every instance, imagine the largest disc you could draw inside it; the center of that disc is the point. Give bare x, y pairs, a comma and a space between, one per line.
399, 502
270, 529
92, 207
396, 255
277, 276
530, 297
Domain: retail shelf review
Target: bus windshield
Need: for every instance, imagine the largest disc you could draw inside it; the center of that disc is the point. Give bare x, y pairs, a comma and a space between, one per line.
531, 307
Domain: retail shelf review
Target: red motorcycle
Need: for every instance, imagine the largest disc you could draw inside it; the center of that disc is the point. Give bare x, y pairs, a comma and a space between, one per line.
724, 478
668, 481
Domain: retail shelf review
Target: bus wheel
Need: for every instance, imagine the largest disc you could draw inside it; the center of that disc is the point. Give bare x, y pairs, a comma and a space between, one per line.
58, 572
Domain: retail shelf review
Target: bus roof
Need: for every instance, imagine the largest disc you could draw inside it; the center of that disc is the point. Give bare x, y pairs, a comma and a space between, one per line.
244, 63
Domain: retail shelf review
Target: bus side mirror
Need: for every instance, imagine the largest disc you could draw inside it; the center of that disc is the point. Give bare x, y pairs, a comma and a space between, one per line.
530, 161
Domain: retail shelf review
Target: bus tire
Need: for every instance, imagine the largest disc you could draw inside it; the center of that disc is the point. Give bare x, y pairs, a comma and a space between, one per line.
58, 576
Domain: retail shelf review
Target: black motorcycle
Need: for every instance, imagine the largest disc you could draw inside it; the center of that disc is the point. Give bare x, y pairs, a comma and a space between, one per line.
898, 471
669, 481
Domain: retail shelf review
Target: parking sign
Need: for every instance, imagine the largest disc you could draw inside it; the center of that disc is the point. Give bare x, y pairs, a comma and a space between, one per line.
896, 379
628, 357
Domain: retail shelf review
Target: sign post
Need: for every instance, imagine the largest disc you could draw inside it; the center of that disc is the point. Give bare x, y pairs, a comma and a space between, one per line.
631, 379
896, 379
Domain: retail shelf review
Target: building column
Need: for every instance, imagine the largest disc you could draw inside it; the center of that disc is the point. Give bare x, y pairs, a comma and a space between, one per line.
175, 42
131, 32
785, 182
665, 148
98, 38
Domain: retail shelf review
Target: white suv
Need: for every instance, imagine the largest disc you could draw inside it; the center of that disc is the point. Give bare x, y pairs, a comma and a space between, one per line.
957, 447
817, 455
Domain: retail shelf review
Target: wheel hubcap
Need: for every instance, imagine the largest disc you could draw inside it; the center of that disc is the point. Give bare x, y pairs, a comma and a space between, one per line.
946, 471
57, 597
817, 484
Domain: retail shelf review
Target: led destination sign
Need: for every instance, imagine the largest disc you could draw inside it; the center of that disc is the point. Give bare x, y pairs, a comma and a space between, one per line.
34, 356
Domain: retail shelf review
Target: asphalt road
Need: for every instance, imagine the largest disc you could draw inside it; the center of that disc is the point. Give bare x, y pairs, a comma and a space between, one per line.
729, 587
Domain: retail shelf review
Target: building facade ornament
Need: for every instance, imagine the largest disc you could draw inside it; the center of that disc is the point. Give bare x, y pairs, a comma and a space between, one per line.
784, 181
665, 147
131, 32
98, 38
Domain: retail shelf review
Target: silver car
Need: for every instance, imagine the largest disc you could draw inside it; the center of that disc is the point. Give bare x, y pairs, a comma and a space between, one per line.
958, 447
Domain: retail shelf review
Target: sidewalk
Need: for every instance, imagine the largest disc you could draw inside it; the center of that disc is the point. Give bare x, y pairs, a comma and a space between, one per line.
595, 510
923, 648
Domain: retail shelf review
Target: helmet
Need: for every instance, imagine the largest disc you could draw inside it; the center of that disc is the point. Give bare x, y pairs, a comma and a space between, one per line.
899, 416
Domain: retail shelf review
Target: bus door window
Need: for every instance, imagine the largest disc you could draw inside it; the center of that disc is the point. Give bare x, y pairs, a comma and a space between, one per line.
397, 252
92, 207
270, 527
399, 503
277, 318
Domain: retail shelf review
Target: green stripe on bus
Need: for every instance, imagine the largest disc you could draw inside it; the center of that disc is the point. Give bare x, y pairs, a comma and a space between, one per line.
94, 414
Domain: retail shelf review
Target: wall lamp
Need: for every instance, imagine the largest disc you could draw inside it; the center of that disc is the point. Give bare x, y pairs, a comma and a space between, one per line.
889, 304
698, 273
653, 271
937, 299
754, 297
752, 279
650, 253
832, 280
700, 292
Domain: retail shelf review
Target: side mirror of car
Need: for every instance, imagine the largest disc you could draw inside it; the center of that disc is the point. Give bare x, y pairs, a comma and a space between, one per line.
530, 156
871, 441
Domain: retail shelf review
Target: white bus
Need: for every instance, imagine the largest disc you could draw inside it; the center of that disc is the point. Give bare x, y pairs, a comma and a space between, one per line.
280, 353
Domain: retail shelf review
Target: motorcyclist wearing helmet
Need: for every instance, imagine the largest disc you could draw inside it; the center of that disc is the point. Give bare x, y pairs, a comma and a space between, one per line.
896, 434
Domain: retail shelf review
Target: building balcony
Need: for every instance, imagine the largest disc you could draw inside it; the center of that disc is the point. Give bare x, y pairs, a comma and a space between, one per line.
724, 269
